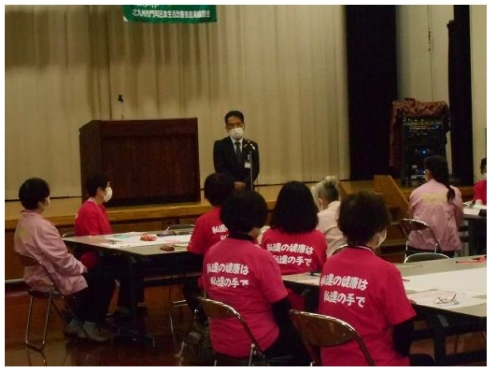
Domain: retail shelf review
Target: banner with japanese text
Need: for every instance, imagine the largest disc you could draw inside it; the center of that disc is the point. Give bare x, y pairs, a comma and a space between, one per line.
170, 13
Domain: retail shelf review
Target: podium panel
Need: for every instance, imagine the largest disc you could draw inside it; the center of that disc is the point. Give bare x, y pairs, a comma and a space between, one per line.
147, 161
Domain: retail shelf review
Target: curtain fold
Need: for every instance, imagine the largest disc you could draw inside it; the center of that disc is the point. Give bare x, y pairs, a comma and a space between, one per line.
282, 66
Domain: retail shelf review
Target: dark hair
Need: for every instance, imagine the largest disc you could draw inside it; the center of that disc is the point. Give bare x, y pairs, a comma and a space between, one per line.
32, 191
295, 210
483, 164
437, 165
94, 182
217, 187
362, 215
234, 113
243, 211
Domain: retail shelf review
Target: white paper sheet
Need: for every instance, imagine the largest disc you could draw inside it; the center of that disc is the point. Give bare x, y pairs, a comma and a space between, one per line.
444, 299
472, 282
133, 239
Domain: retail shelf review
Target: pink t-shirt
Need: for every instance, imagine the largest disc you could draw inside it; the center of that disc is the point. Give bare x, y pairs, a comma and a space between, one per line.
296, 252
208, 231
429, 204
367, 292
92, 220
480, 191
246, 277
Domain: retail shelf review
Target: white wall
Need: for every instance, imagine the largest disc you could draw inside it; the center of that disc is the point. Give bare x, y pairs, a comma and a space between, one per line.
478, 29
422, 43
423, 61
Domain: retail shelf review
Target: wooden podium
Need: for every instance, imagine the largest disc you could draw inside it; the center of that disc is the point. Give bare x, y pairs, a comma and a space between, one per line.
147, 161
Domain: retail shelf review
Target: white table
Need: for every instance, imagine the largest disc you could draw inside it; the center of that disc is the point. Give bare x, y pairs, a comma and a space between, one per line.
424, 282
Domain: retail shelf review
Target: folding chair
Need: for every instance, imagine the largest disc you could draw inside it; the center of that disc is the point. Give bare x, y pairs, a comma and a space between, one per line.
340, 249
50, 295
409, 225
180, 229
320, 331
425, 256
220, 311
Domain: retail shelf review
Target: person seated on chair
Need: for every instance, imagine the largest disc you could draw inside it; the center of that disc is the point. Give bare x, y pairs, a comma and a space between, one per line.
235, 155
92, 220
209, 230
438, 204
293, 240
366, 291
241, 274
480, 188
327, 197
37, 237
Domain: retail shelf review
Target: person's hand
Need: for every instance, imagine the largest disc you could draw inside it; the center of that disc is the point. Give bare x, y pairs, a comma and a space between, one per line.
239, 185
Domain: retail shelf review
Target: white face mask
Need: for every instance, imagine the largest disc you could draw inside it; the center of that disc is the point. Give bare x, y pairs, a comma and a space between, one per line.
236, 133
382, 238
108, 194
45, 203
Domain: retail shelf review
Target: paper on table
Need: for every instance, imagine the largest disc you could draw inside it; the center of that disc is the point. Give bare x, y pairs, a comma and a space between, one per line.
471, 211
432, 298
472, 282
313, 281
133, 239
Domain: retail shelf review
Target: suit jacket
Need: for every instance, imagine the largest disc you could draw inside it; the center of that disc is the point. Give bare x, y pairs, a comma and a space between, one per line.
225, 160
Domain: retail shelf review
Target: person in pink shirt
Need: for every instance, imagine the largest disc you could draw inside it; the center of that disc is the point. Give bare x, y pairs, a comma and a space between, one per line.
209, 230
478, 228
241, 274
480, 188
438, 204
366, 291
292, 239
327, 196
37, 237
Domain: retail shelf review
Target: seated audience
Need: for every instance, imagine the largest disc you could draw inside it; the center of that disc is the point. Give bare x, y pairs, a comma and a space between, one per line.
208, 231
292, 239
438, 204
480, 189
92, 220
378, 309
241, 274
479, 228
37, 237
327, 197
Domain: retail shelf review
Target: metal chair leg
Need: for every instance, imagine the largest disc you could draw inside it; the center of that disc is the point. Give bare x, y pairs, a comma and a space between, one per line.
46, 320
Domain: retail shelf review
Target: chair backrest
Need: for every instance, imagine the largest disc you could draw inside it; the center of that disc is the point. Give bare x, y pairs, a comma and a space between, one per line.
320, 331
184, 228
340, 249
68, 234
425, 256
409, 225
216, 310
28, 261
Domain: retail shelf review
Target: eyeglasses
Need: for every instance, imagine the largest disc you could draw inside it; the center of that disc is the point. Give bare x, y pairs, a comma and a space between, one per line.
232, 125
446, 300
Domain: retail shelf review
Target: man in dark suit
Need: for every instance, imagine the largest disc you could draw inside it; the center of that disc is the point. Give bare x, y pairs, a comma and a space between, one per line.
235, 155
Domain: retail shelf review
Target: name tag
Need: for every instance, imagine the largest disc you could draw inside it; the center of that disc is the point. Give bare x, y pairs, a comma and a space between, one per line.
247, 164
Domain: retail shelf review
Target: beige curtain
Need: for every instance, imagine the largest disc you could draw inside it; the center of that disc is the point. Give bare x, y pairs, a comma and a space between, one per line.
283, 66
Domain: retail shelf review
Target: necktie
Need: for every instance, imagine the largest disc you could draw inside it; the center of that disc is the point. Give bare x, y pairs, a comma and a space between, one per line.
238, 152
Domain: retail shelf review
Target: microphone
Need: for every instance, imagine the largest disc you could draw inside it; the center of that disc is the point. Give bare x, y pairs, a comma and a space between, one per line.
121, 99
248, 143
